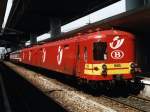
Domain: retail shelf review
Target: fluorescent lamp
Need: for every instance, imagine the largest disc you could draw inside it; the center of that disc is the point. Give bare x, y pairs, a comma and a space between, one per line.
7, 12
109, 11
27, 43
75, 24
43, 37
106, 12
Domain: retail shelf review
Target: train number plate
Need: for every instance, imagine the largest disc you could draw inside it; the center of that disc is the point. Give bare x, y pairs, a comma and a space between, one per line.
117, 65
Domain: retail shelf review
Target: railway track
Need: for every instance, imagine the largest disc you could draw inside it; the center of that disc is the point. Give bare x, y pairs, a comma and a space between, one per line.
74, 100
135, 102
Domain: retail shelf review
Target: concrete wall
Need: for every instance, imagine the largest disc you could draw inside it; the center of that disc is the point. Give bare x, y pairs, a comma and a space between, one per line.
132, 4
147, 1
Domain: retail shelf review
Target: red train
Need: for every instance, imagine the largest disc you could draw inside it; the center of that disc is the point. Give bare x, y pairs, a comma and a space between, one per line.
101, 56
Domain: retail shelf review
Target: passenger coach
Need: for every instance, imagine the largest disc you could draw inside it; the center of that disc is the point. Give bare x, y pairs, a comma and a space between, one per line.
99, 56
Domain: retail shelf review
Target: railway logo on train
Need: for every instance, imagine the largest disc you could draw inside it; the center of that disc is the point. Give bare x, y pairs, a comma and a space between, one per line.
117, 42
117, 54
44, 55
29, 55
59, 55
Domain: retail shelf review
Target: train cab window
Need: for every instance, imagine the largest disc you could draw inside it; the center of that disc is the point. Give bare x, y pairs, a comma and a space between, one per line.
99, 50
85, 54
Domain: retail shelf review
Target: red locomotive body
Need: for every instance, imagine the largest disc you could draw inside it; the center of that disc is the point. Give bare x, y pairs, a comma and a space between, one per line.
102, 55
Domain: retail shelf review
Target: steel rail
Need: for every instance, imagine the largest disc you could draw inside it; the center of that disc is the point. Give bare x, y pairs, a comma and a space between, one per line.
121, 102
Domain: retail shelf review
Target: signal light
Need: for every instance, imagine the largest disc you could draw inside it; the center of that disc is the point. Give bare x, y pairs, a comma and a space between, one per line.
133, 65
134, 68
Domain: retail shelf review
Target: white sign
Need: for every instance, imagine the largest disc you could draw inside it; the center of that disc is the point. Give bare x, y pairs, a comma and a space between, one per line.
117, 42
59, 55
117, 54
44, 55
29, 55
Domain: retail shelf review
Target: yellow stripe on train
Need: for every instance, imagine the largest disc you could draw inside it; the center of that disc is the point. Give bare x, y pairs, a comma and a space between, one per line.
109, 72
123, 68
118, 71
114, 65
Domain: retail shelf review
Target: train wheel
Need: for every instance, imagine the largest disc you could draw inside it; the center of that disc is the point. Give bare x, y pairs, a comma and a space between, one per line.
93, 85
82, 83
108, 85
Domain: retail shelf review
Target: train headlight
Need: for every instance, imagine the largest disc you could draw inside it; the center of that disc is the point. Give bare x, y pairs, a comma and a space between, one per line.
134, 68
132, 65
104, 67
104, 70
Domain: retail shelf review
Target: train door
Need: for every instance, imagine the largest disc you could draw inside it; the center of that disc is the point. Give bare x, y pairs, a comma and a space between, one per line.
82, 53
78, 60
42, 56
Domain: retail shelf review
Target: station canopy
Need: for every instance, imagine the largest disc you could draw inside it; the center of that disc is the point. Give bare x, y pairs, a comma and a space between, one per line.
33, 17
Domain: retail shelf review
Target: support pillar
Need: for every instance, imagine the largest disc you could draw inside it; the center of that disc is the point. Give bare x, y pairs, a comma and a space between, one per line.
133, 4
147, 2
55, 27
33, 39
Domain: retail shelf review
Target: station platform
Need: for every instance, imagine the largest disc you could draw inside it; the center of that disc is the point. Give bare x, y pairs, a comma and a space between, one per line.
146, 80
18, 95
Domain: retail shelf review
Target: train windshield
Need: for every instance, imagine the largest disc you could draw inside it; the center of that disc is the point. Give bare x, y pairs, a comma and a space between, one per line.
99, 50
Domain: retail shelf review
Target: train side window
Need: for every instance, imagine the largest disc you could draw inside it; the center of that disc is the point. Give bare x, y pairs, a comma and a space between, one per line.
85, 54
99, 50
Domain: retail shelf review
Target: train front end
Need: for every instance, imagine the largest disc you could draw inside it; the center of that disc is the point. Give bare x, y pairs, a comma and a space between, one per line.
113, 55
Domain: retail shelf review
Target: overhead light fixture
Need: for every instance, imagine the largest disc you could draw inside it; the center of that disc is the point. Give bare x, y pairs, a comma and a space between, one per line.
99, 15
27, 43
7, 12
43, 37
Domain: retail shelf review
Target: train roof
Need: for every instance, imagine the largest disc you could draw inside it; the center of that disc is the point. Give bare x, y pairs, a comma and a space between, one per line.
105, 32
67, 36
